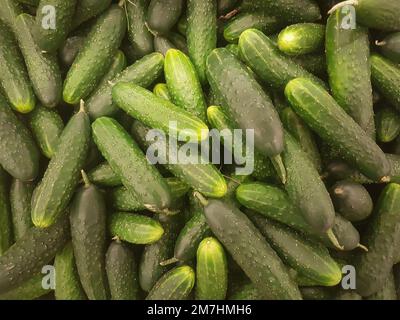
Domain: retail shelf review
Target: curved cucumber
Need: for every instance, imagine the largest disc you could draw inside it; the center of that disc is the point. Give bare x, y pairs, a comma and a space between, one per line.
69, 50
387, 125
6, 237
162, 15
302, 38
87, 9
390, 47
161, 90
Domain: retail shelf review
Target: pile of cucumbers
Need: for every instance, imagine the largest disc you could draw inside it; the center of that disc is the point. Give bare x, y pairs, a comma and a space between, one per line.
85, 214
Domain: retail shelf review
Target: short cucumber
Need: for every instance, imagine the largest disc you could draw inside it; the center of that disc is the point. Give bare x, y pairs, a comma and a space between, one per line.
122, 272
87, 9
390, 47
62, 175
387, 125
47, 127
302, 38
388, 292
6, 235
161, 90
211, 271
176, 284
103, 175
29, 290
69, 50
162, 15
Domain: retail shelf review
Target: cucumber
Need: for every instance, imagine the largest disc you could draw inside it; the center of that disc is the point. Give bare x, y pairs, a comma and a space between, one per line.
118, 64
316, 293
135, 228
57, 187
230, 80
6, 235
46, 126
302, 38
313, 63
265, 59
162, 44
13, 75
258, 260
29, 290
9, 10
246, 292
234, 49
28, 255
347, 295
337, 128
87, 9
122, 272
181, 26
201, 33
69, 50
184, 84
48, 37
133, 169
176, 284
347, 55
103, 175
385, 76
390, 47
20, 201
351, 200
94, 58
68, 285
139, 36
387, 125
19, 155
211, 271
381, 238
162, 15
388, 292
144, 72
161, 90
42, 67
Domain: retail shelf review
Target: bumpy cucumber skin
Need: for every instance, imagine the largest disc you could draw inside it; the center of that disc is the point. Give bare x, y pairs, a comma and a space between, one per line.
20, 201
201, 33
19, 155
68, 285
230, 79
103, 175
122, 272
118, 64
6, 235
246, 292
9, 10
162, 15
87, 9
381, 238
27, 257
161, 90
144, 72
376, 14
14, 78
93, 59
302, 38
387, 125
314, 63
137, 175
47, 127
390, 47
349, 69
69, 50
43, 69
29, 290
388, 292
250, 250
176, 284
322, 113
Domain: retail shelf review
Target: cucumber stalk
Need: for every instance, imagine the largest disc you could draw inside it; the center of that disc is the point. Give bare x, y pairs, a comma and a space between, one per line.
279, 167
169, 261
362, 247
334, 240
85, 179
201, 198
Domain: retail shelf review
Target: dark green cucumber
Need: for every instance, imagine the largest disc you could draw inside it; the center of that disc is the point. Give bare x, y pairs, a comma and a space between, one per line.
388, 292
230, 79
29, 290
246, 292
162, 44
87, 9
139, 36
19, 155
347, 295
211, 271
103, 175
117, 66
13, 75
47, 127
94, 58
135, 228
133, 169
9, 10
351, 200
144, 72
181, 26
265, 59
161, 90
302, 38
314, 63
201, 33
322, 113
20, 201
69, 50
50, 37
316, 293
42, 67
6, 235
176, 284
387, 125
385, 76
349, 69
381, 238
390, 47
29, 254
68, 285
122, 272
162, 15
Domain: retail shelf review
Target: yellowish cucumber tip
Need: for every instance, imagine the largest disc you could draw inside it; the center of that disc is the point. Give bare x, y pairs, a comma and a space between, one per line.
221, 190
335, 278
41, 224
385, 179
24, 108
188, 270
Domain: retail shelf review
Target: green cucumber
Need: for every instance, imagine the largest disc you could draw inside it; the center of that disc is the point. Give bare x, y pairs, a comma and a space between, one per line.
19, 155
161, 90
176, 284
181, 26
6, 235
87, 9
162, 44
246, 292
387, 125
211, 271
388, 292
47, 127
122, 272
29, 290
42, 67
347, 295
162, 15
316, 293
118, 64
351, 200
302, 38
201, 33
135, 228
103, 175
94, 59
29, 254
20, 201
13, 75
258, 260
9, 10
390, 47
178, 41
57, 187
337, 128
133, 169
69, 50
381, 237
234, 49
313, 63
68, 285
143, 72
347, 55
